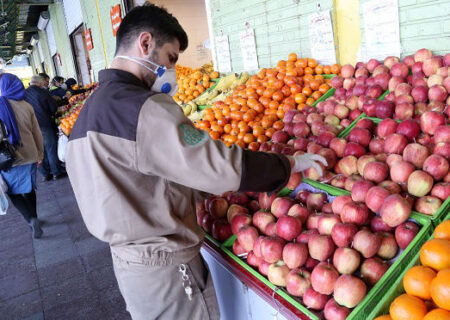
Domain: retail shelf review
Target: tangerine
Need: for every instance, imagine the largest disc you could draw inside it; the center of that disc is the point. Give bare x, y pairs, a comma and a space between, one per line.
406, 307
440, 289
437, 314
417, 281
385, 317
442, 231
435, 254
254, 146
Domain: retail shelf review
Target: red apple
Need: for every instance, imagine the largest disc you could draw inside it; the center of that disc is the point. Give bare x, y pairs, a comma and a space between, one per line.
442, 134
348, 165
367, 243
207, 223
399, 69
313, 220
265, 201
271, 229
257, 246
339, 203
288, 227
437, 166
320, 247
389, 247
356, 213
218, 207
393, 158
422, 55
395, 143
327, 208
247, 236
390, 186
299, 211
430, 121
431, 65
239, 221
354, 149
221, 230
201, 213
253, 260
272, 249
338, 145
362, 161
349, 291
304, 236
238, 249
310, 264
403, 89
323, 277
386, 128
405, 233
302, 196
281, 206
373, 269
261, 219
416, 154
297, 282
295, 254
350, 181
346, 260
378, 225
253, 205
401, 170
235, 209
409, 128
315, 201
326, 223
428, 205
360, 136
277, 273
420, 183
442, 149
441, 190
343, 233
264, 267
376, 145
360, 189
395, 210
394, 82
237, 198
376, 171
333, 311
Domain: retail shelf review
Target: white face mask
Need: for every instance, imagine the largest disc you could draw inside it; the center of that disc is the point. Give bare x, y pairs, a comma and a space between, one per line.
64, 86
166, 79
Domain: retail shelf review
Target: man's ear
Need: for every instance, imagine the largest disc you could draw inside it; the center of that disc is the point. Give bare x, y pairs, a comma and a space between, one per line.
146, 43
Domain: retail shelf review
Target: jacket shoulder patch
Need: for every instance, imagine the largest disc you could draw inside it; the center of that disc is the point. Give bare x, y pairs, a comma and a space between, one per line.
191, 135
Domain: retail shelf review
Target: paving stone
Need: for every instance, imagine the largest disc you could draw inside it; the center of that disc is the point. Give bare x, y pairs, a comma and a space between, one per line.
17, 284
59, 272
78, 231
89, 245
84, 308
103, 278
24, 306
50, 251
97, 259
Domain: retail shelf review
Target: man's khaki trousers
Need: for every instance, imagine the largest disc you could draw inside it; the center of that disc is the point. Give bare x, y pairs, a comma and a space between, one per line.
157, 292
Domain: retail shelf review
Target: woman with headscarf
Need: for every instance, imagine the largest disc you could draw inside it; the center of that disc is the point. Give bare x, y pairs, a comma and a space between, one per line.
71, 83
26, 138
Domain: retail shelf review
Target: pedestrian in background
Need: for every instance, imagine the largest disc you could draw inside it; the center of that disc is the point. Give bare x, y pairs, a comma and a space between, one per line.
46, 80
45, 108
25, 136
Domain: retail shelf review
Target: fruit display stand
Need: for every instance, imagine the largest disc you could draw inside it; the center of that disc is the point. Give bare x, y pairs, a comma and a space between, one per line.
436, 218
292, 306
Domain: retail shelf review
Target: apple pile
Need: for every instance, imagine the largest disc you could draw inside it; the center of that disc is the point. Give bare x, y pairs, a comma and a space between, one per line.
328, 254
215, 213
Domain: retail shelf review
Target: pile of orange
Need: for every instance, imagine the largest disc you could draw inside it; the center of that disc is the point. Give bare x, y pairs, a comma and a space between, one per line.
427, 286
192, 83
255, 110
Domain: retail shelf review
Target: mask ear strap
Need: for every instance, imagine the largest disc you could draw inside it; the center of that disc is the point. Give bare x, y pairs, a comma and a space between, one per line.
136, 60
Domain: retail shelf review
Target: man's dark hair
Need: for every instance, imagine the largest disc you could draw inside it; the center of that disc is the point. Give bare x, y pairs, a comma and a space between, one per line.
70, 82
44, 75
161, 24
57, 79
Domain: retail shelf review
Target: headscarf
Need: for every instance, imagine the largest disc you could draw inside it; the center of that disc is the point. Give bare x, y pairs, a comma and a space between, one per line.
11, 88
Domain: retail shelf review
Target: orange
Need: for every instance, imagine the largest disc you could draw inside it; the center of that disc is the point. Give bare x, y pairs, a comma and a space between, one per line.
406, 307
435, 254
442, 231
254, 146
440, 289
292, 57
417, 281
437, 314
385, 317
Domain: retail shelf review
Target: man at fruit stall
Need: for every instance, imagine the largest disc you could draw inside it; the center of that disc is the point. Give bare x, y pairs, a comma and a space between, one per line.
46, 80
45, 108
137, 166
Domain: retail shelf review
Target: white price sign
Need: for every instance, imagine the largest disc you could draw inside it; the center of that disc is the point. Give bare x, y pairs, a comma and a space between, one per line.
223, 54
248, 49
321, 37
381, 29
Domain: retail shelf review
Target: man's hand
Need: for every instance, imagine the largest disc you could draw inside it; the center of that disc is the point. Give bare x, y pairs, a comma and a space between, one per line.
39, 163
306, 161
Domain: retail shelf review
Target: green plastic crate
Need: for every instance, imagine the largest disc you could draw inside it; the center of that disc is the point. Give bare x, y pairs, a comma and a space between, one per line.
362, 311
438, 217
327, 94
329, 76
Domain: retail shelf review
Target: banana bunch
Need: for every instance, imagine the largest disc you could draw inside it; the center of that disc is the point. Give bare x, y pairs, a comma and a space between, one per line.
226, 82
207, 96
189, 108
196, 116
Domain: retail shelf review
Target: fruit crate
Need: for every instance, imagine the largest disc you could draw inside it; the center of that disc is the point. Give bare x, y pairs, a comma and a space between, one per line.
347, 130
436, 218
327, 94
369, 302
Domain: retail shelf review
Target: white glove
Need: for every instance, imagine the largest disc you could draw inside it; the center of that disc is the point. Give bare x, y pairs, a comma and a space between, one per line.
306, 161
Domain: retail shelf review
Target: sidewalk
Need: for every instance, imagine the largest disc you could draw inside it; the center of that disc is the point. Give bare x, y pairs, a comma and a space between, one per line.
67, 274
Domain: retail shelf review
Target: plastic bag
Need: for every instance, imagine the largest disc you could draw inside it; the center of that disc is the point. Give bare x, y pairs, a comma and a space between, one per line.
62, 143
3, 199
